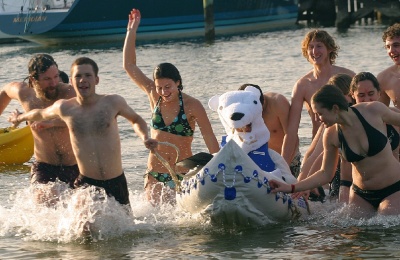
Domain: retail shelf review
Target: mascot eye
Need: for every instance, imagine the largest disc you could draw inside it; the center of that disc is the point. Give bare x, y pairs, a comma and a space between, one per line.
255, 102
221, 107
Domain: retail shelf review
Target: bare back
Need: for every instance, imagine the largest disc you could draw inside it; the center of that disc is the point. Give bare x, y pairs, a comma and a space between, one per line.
275, 115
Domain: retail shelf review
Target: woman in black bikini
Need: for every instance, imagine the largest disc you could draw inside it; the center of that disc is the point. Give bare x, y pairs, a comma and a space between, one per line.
360, 132
173, 120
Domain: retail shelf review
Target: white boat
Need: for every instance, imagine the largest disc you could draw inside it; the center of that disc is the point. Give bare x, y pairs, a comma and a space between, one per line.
231, 189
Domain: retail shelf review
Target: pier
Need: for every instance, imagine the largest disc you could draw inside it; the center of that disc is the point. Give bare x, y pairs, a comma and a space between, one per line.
344, 13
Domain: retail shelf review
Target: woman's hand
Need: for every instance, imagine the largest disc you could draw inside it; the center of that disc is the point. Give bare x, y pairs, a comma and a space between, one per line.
134, 20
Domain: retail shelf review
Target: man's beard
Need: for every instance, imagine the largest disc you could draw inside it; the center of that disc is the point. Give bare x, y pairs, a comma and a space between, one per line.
46, 94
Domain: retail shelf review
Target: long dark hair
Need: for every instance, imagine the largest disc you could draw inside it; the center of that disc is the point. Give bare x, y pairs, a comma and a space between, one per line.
39, 63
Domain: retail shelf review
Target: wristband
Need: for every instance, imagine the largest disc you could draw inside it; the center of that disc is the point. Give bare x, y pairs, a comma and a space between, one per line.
293, 187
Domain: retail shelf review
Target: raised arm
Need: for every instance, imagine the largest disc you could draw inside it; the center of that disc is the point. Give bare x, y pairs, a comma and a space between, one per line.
129, 54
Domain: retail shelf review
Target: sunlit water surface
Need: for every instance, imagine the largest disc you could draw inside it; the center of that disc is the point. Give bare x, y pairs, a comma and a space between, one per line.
272, 60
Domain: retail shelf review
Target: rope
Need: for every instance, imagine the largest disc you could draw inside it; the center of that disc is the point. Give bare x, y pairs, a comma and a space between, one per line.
168, 166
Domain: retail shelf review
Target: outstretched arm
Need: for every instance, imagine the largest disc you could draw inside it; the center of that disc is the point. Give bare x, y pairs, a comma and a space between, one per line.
129, 54
35, 115
321, 177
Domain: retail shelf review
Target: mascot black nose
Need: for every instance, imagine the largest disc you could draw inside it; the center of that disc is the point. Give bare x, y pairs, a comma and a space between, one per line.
237, 116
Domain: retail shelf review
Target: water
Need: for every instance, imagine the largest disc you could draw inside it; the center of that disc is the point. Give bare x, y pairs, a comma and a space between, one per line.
272, 60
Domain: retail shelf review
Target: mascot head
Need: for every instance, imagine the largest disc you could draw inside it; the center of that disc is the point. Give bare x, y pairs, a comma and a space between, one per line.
241, 115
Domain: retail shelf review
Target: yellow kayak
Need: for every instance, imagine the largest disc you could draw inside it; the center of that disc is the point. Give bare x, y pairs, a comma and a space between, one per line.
16, 145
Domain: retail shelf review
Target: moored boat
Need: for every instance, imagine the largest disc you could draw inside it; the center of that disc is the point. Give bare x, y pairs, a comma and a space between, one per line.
16, 145
233, 190
73, 21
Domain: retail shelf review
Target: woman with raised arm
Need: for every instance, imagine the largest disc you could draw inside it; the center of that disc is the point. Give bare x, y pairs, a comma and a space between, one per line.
174, 116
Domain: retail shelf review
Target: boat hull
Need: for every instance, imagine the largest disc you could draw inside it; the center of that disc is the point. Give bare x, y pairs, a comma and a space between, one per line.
232, 189
94, 20
16, 145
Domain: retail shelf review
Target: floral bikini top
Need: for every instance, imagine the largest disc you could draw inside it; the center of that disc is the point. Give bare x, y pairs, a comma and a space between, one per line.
179, 126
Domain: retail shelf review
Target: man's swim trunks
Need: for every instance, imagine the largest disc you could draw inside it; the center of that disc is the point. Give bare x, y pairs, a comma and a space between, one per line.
44, 173
116, 187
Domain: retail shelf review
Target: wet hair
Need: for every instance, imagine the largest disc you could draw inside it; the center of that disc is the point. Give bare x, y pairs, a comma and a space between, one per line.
325, 38
64, 77
242, 87
391, 32
39, 64
87, 61
167, 71
362, 76
342, 81
330, 95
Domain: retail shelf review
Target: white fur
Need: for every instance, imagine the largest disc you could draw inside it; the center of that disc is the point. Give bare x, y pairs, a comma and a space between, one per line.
246, 102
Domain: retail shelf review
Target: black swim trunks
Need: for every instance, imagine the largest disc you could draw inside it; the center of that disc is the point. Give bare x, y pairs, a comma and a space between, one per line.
43, 173
375, 197
116, 187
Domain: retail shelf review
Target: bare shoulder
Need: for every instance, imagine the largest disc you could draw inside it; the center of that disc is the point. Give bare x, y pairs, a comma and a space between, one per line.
16, 86
330, 136
276, 99
113, 98
386, 75
192, 105
67, 91
19, 90
372, 108
343, 70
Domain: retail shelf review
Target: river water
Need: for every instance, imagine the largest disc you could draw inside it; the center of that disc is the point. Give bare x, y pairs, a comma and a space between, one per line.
272, 60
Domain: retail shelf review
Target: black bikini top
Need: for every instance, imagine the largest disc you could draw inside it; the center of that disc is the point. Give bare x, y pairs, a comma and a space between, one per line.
376, 140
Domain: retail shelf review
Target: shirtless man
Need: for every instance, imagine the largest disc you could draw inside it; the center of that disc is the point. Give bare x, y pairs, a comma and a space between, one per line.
92, 122
52, 147
275, 114
320, 49
389, 79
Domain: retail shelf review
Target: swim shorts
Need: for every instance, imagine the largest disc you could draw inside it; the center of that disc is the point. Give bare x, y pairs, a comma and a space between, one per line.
116, 187
43, 173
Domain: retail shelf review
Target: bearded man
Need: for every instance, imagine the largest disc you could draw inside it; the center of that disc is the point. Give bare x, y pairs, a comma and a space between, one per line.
53, 154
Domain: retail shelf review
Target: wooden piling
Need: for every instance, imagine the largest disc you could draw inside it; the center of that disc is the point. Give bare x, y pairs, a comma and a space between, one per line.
209, 27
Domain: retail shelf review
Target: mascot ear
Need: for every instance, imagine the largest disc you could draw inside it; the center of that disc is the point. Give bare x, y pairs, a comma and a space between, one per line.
254, 90
213, 103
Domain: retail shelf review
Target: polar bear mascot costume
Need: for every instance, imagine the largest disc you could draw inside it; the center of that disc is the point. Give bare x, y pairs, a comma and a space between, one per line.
241, 115
233, 187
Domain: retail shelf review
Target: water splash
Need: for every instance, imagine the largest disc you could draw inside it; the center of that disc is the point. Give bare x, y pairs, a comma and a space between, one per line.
83, 213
